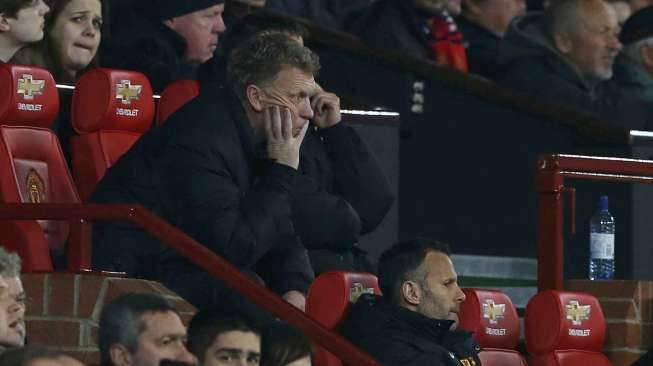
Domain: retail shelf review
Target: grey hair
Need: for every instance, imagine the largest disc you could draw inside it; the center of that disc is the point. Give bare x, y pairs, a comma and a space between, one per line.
10, 263
121, 321
258, 61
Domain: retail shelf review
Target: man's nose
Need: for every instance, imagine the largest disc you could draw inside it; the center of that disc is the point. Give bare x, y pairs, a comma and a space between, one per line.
185, 356
461, 295
305, 109
219, 26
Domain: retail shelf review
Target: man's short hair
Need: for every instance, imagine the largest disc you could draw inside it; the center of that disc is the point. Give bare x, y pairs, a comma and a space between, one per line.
258, 61
121, 321
9, 263
401, 262
208, 324
11, 7
20, 356
259, 24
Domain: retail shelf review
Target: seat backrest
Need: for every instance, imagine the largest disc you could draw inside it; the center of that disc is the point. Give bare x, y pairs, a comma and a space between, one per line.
492, 319
565, 328
32, 166
111, 109
174, 96
328, 301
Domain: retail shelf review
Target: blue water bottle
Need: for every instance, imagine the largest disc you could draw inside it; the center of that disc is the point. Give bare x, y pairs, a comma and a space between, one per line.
602, 243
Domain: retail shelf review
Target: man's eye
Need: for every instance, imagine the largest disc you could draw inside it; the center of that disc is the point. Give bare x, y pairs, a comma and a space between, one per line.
254, 360
225, 358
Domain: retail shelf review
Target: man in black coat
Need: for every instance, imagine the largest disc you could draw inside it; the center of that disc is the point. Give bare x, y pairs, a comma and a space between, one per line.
223, 169
414, 323
566, 55
166, 40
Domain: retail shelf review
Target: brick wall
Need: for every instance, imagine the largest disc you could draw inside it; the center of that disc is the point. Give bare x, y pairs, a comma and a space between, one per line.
628, 310
64, 309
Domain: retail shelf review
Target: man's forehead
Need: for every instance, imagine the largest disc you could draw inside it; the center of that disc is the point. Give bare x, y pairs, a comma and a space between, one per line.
236, 339
439, 265
160, 323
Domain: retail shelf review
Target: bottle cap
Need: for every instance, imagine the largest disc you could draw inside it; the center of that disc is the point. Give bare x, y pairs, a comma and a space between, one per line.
603, 203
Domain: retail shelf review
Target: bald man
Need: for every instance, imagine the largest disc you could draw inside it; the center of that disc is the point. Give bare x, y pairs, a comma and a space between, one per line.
566, 56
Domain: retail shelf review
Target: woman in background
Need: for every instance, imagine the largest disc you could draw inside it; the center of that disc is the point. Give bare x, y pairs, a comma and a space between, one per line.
283, 345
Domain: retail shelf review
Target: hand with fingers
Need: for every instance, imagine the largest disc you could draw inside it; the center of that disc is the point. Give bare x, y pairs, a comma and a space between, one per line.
326, 109
282, 145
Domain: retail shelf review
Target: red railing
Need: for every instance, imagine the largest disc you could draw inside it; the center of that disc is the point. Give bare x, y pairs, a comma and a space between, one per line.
550, 185
200, 256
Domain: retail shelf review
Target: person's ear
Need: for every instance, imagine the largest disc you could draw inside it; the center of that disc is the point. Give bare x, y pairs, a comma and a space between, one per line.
411, 292
120, 355
562, 42
4, 23
170, 23
255, 97
471, 8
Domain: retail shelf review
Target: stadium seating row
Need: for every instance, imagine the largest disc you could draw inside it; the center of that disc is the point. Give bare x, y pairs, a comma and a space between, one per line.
110, 110
562, 328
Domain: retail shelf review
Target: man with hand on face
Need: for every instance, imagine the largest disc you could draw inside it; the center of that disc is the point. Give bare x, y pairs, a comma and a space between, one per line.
414, 322
222, 169
166, 40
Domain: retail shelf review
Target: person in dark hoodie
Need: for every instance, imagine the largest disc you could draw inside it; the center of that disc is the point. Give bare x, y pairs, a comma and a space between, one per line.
566, 55
414, 322
166, 40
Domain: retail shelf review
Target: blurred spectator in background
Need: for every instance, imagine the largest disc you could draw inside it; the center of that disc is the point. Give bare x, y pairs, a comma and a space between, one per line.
622, 10
21, 23
566, 56
483, 24
73, 30
422, 29
12, 302
141, 329
166, 39
37, 356
328, 13
284, 345
236, 9
218, 338
634, 66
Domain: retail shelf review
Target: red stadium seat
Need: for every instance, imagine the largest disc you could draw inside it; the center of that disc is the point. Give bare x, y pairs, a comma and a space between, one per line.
174, 96
564, 329
32, 166
328, 300
111, 109
493, 321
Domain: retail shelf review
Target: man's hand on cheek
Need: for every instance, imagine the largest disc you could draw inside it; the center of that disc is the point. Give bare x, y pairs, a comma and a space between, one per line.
282, 145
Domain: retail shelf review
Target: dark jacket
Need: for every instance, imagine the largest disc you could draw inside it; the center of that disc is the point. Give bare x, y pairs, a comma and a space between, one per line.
341, 194
394, 25
399, 337
328, 13
150, 47
481, 47
533, 65
201, 172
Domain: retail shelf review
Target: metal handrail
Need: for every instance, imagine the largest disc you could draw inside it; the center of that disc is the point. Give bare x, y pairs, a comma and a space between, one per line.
552, 169
200, 256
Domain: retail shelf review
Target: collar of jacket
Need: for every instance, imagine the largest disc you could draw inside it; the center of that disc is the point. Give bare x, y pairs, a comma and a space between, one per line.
525, 38
435, 328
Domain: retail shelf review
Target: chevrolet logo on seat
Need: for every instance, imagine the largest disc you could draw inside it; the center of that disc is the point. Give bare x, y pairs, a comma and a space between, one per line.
29, 87
577, 313
493, 311
357, 290
127, 92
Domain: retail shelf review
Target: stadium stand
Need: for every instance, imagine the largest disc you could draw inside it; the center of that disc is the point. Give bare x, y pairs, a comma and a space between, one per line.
493, 321
111, 109
565, 328
328, 299
32, 166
